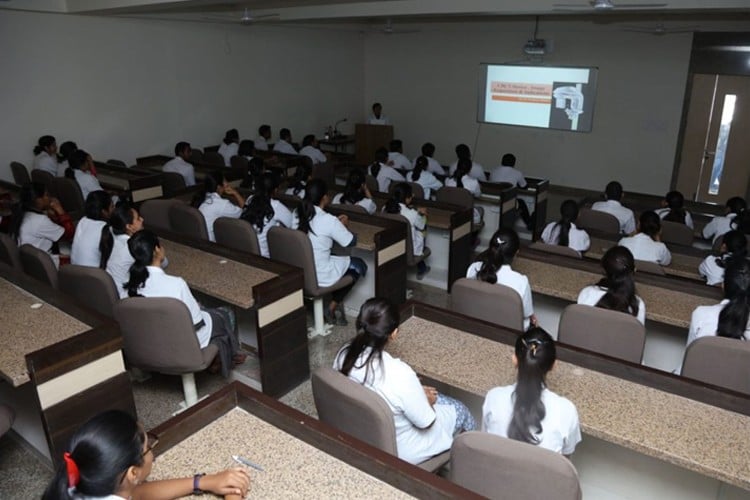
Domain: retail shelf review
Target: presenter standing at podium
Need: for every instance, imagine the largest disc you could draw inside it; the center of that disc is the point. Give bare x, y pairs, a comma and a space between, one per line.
377, 117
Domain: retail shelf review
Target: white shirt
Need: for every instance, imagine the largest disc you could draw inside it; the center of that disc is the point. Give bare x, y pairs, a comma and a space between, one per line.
578, 239
477, 171
214, 207
591, 295
718, 226
118, 265
227, 151
418, 223
399, 161
470, 183
644, 248
61, 168
432, 165
365, 203
260, 143
561, 430
517, 281
383, 120
85, 250
324, 230
511, 175
87, 182
428, 182
39, 231
705, 321
422, 431
712, 271
282, 216
180, 166
663, 212
43, 161
316, 155
282, 146
386, 175
298, 194
624, 215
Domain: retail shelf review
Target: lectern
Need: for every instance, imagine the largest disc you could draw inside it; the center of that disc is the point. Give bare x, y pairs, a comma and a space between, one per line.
368, 138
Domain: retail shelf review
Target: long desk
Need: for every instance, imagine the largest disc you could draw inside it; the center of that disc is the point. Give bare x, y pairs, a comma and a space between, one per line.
140, 184
504, 214
697, 427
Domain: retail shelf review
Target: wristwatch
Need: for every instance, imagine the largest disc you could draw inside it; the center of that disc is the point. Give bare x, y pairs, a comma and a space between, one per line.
196, 482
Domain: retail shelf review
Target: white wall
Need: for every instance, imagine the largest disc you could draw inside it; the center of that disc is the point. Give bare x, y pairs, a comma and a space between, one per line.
124, 88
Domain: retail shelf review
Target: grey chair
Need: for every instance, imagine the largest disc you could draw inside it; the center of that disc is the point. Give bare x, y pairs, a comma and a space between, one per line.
188, 220
594, 220
495, 303
9, 251
236, 234
360, 412
91, 286
117, 163
45, 178
213, 158
325, 171
196, 155
372, 183
155, 213
158, 336
556, 249
719, 361
6, 418
463, 198
411, 259
497, 467
294, 248
674, 232
69, 193
20, 173
416, 189
645, 266
38, 264
603, 331
348, 207
239, 166
172, 183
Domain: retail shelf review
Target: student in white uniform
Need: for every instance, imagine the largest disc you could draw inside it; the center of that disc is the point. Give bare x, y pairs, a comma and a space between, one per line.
733, 246
425, 420
148, 279
528, 411
507, 172
396, 158
310, 148
646, 244
45, 154
91, 230
264, 135
356, 192
377, 117
612, 205
728, 318
461, 178
400, 202
263, 211
673, 209
284, 144
475, 169
324, 230
67, 148
180, 165
433, 166
424, 177
302, 176
616, 290
564, 232
229, 146
124, 222
384, 173
495, 268
246, 149
722, 224
213, 204
80, 170
83, 473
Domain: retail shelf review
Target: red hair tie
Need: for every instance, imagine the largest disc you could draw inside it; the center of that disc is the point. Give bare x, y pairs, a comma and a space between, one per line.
73, 475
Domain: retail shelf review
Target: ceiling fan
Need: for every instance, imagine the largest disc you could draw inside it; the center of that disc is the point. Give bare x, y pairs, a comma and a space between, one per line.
604, 6
245, 18
660, 29
390, 29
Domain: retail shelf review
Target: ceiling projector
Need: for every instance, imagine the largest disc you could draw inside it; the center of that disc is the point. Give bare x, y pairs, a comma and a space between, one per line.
535, 47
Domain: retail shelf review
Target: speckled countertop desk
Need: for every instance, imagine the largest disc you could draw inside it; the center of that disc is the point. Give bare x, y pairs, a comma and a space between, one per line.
292, 468
684, 432
662, 305
365, 234
215, 275
685, 266
24, 330
439, 218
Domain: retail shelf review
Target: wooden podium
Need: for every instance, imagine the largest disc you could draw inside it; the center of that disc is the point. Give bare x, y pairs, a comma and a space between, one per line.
368, 138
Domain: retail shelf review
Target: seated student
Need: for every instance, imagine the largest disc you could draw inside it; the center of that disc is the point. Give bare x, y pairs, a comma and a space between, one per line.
494, 267
377, 117
422, 176
461, 178
40, 220
433, 166
212, 204
616, 290
356, 192
475, 169
229, 145
324, 229
396, 157
425, 420
148, 279
311, 150
400, 202
263, 211
673, 209
507, 172
528, 411
613, 194
124, 222
91, 229
733, 246
564, 232
246, 149
80, 169
264, 135
180, 165
646, 243
722, 224
67, 148
302, 176
110, 457
284, 144
46, 155
255, 168
384, 173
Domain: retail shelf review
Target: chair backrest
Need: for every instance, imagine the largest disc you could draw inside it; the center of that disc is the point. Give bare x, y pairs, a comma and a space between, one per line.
69, 193
719, 361
196, 155
172, 183
645, 266
239, 166
45, 178
117, 163
495, 303
293, 247
91, 286
372, 184
325, 171
596, 220
188, 220
455, 195
603, 331
348, 207
6, 419
416, 189
495, 467
38, 264
411, 259
9, 251
674, 232
213, 158
354, 409
556, 249
155, 213
20, 174
237, 234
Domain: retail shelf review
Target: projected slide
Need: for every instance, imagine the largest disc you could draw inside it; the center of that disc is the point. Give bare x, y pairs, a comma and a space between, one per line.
532, 96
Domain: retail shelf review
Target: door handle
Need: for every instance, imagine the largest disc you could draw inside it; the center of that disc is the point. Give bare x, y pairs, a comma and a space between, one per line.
708, 154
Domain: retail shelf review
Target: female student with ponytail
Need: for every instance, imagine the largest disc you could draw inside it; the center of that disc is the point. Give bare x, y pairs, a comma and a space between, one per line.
124, 222
424, 177
263, 211
673, 209
425, 420
616, 290
383, 173
564, 232
45, 155
302, 176
212, 204
527, 411
356, 192
733, 245
461, 178
646, 243
81, 171
400, 203
110, 458
91, 230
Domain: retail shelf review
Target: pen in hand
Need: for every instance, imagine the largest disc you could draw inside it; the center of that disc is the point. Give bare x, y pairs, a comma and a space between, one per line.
244, 461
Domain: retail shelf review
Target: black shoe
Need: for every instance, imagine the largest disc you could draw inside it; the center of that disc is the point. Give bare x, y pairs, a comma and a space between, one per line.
340, 315
329, 316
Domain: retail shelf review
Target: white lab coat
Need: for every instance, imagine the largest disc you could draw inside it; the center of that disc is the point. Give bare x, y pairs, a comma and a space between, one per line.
383, 120
85, 250
282, 146
260, 143
180, 166
515, 280
282, 216
624, 215
433, 166
118, 265
644, 248
477, 170
87, 182
39, 231
399, 161
427, 180
214, 207
712, 271
365, 203
316, 155
43, 161
591, 295
663, 212
227, 151
324, 230
718, 226
418, 223
705, 321
386, 175
578, 239
508, 174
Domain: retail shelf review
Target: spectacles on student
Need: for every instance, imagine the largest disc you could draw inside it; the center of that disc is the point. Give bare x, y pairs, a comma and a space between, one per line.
151, 442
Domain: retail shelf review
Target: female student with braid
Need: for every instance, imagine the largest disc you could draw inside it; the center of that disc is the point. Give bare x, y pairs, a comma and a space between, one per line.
733, 245
400, 203
91, 230
424, 177
212, 202
124, 222
425, 420
81, 170
302, 176
356, 192
263, 211
527, 411
384, 173
673, 209
564, 232
461, 178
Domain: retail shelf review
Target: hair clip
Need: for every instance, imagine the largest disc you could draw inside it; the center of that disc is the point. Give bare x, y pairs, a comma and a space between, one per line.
499, 241
73, 474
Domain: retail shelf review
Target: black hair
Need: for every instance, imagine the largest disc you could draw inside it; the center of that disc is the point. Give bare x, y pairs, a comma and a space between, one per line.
463, 151
428, 149
43, 143
733, 316
255, 168
508, 160
503, 246
259, 211
568, 215
395, 145
30, 192
741, 222
264, 129
285, 134
231, 135
354, 190
180, 147
308, 140
536, 353
736, 204
98, 202
301, 176
463, 167
613, 191
211, 183
377, 105
736, 245
378, 318
77, 159
119, 219
102, 449
381, 156
420, 165
675, 202
246, 148
619, 266
650, 224
141, 246
401, 192
66, 149
315, 190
